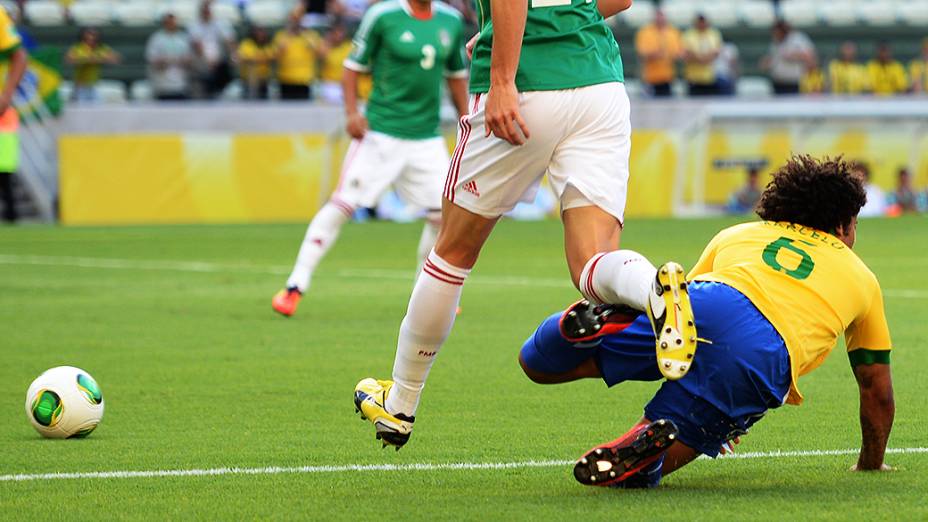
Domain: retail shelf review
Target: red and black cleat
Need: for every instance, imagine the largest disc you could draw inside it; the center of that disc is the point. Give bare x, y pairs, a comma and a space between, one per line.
613, 462
583, 321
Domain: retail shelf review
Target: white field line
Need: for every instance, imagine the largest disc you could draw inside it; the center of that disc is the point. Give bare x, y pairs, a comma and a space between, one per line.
403, 275
361, 468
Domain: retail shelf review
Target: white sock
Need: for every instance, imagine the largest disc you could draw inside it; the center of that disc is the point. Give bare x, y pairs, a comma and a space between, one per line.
320, 236
428, 322
426, 242
620, 277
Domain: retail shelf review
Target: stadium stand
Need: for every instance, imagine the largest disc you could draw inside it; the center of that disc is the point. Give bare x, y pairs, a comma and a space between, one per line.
129, 23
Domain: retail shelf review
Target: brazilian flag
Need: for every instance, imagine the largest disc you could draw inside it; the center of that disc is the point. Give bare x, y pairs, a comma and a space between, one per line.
40, 82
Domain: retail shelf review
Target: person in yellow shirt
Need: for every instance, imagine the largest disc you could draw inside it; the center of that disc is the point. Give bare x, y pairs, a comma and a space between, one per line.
701, 46
770, 300
330, 85
846, 75
15, 59
256, 55
918, 70
87, 57
887, 75
299, 52
813, 79
659, 47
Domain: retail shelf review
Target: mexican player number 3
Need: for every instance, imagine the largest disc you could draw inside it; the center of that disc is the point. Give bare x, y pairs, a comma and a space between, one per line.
428, 57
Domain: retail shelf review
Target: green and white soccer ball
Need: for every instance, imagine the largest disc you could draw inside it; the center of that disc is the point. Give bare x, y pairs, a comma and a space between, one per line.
64, 402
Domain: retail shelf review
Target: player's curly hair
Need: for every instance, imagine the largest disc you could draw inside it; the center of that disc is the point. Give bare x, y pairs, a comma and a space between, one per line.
821, 194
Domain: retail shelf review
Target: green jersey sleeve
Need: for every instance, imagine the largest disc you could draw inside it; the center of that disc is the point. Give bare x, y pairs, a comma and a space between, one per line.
365, 43
456, 64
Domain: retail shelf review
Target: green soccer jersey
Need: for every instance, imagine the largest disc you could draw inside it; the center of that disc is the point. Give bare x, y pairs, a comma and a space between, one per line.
566, 45
408, 58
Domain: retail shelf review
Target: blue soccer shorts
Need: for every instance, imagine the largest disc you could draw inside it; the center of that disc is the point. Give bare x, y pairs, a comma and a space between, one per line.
735, 378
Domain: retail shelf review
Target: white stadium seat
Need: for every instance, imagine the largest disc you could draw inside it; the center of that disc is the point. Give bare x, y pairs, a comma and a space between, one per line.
722, 14
639, 15
878, 13
913, 12
91, 13
839, 14
141, 91
266, 13
111, 91
681, 13
227, 13
800, 13
65, 88
754, 87
136, 13
44, 12
757, 13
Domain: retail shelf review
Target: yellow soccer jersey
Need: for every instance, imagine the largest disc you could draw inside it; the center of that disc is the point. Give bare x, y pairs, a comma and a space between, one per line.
9, 38
808, 284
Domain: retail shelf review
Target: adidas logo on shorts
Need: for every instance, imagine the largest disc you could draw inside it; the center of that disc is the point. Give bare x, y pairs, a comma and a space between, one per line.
471, 186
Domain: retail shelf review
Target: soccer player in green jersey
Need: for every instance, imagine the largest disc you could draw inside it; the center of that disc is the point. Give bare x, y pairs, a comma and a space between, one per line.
547, 97
409, 47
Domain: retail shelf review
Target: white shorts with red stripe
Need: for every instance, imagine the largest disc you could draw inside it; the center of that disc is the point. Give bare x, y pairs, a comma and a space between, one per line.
415, 168
580, 138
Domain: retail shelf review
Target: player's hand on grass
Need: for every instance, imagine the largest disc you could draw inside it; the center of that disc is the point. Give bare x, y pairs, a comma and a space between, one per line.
356, 125
470, 46
729, 447
502, 114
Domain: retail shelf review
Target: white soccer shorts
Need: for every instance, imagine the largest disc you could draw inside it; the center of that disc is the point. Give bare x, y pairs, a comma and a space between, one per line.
415, 168
580, 138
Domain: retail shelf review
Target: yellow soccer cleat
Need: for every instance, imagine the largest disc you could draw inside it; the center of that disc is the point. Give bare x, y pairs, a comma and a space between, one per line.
370, 395
672, 319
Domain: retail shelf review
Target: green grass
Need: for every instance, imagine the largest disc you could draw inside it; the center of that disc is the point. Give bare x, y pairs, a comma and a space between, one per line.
198, 372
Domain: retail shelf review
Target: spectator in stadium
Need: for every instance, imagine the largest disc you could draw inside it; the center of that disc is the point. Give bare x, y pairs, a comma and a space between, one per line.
170, 59
299, 51
330, 85
87, 57
919, 70
790, 53
214, 45
904, 199
701, 46
813, 79
659, 47
845, 74
745, 199
876, 198
256, 55
887, 75
727, 69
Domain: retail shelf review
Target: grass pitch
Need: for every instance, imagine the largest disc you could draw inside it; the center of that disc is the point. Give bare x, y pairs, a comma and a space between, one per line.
198, 373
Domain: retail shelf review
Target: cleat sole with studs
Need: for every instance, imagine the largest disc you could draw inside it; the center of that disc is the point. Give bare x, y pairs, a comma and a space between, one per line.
610, 464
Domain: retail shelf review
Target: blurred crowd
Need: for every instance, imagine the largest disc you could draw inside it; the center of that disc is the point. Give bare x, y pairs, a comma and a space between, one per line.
905, 198
710, 65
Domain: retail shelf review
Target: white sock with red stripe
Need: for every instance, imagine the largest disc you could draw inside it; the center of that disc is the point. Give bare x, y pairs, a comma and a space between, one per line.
320, 236
428, 322
620, 277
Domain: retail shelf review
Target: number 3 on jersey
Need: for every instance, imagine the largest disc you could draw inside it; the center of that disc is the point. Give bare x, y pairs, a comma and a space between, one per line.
428, 57
805, 265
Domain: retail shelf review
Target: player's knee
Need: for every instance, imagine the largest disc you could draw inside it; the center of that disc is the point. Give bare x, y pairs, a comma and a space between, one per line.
533, 375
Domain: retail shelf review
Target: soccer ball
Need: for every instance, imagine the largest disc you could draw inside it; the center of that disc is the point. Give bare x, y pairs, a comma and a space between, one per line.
64, 402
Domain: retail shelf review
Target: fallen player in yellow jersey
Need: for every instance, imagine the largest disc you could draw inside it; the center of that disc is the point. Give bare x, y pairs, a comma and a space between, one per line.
770, 300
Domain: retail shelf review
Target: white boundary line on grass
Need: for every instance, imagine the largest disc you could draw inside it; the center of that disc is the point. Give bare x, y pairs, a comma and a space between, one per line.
276, 470
209, 267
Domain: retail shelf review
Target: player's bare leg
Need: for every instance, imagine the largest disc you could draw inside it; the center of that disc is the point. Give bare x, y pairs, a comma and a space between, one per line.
429, 318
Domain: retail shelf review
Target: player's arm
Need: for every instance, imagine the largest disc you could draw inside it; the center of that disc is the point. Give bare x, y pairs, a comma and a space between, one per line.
457, 87
869, 345
355, 122
877, 410
18, 61
609, 8
502, 106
